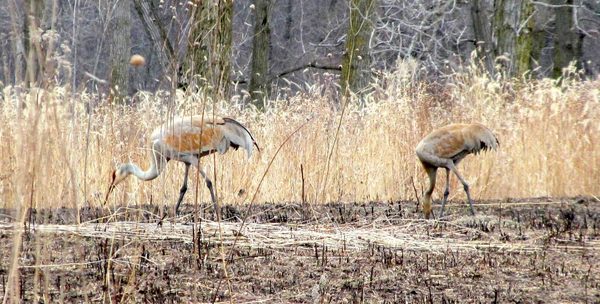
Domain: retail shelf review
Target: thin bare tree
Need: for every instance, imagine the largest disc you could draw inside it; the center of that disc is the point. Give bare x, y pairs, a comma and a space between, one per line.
356, 63
259, 65
208, 59
120, 50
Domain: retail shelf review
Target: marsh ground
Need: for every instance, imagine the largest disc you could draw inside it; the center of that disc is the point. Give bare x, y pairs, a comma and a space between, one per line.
526, 250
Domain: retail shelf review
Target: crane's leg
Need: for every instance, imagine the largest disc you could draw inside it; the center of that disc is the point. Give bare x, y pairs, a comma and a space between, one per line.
465, 185
194, 161
431, 172
183, 188
209, 185
446, 192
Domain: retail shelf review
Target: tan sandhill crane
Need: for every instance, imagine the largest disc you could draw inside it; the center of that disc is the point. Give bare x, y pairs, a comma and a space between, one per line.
445, 148
187, 139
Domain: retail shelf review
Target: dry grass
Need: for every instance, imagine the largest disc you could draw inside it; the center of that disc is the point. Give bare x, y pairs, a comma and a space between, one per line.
56, 153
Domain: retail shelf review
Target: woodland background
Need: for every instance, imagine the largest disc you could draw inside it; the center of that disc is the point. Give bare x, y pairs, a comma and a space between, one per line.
251, 49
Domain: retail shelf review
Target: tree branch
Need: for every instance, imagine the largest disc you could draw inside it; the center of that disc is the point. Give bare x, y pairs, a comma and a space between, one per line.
283, 73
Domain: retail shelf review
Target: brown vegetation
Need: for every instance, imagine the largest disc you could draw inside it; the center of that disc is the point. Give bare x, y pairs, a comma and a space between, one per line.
60, 152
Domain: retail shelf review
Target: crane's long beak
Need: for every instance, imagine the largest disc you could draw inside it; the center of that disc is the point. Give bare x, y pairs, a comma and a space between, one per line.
110, 188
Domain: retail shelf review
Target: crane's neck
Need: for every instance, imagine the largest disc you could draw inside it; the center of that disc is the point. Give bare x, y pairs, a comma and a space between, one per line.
149, 174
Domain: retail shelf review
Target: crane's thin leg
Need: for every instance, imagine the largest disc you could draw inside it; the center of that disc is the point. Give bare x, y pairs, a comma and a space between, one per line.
183, 188
431, 172
465, 186
446, 192
209, 185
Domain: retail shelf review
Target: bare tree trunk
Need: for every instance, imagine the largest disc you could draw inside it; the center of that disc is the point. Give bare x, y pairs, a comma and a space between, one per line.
530, 40
47, 61
507, 36
568, 40
18, 38
34, 9
513, 34
259, 80
119, 50
482, 28
208, 61
505, 23
356, 63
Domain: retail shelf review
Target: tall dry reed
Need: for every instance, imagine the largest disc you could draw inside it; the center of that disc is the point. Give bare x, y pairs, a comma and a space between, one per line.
57, 152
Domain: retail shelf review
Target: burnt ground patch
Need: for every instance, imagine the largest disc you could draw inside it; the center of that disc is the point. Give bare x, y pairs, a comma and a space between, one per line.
527, 250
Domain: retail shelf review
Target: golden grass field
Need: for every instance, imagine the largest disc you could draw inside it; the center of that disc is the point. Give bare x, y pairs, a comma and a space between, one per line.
59, 152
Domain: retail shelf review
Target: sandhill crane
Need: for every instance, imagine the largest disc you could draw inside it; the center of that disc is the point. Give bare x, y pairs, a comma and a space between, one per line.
187, 139
445, 148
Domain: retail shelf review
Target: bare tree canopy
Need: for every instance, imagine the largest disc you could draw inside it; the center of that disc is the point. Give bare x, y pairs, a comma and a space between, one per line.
290, 44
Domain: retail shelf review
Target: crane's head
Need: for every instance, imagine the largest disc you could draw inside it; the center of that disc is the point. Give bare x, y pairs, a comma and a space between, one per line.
117, 177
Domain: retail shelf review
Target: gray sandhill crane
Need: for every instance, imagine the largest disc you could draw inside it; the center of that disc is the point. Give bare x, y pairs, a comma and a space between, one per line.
445, 148
187, 139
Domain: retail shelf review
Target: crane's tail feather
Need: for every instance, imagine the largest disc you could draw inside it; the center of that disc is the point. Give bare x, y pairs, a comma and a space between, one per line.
487, 141
239, 135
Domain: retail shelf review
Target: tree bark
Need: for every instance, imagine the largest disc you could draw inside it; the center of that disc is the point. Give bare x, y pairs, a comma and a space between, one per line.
356, 62
259, 66
208, 61
530, 40
517, 37
33, 20
507, 35
568, 40
47, 60
482, 28
505, 23
119, 51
